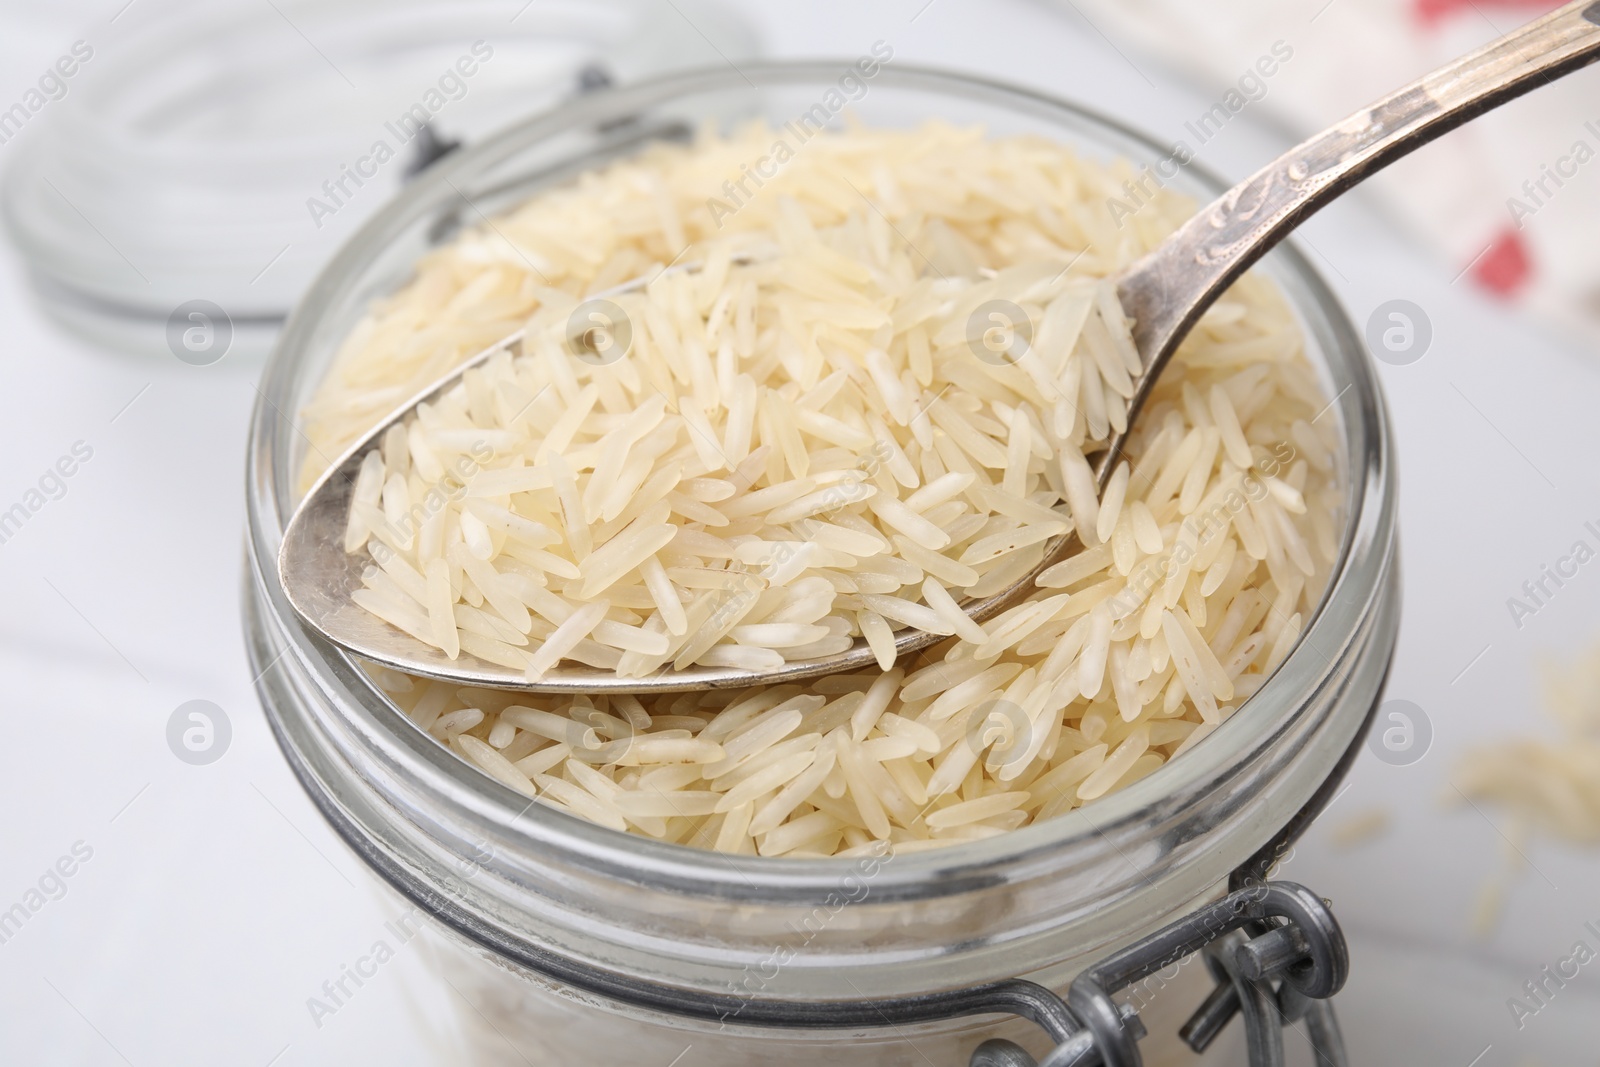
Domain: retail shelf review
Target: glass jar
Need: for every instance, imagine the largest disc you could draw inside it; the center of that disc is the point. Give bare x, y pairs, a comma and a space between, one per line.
587, 945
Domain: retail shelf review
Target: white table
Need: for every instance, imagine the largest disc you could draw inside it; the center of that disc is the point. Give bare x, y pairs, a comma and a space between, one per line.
216, 901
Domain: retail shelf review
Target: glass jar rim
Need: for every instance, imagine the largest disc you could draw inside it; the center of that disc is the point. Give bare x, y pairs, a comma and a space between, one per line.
1353, 587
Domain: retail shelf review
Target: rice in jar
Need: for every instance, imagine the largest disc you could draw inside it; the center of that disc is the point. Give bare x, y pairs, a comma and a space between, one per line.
583, 925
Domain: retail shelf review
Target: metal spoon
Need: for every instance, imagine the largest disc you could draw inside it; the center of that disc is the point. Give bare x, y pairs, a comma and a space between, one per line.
1165, 293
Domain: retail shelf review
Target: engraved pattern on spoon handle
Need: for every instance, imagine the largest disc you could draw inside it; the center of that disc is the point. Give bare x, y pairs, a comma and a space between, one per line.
1168, 289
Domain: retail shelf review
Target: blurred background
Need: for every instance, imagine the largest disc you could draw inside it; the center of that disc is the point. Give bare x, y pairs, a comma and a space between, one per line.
161, 161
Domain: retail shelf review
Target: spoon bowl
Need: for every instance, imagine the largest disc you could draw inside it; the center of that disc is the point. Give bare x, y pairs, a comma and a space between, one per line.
1163, 294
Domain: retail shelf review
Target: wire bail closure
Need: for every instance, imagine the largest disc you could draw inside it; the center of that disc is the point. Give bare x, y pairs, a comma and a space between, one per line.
1276, 952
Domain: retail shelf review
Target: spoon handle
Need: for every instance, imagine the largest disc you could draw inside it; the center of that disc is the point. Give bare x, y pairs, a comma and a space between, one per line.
1167, 290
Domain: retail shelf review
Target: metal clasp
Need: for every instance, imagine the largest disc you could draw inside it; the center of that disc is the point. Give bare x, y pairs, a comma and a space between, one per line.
1278, 956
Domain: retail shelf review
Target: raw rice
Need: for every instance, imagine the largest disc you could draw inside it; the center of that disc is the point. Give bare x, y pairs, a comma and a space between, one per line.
783, 381
1551, 785
801, 449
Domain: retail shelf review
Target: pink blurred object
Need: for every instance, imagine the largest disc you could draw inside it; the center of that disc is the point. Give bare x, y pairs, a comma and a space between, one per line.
1510, 202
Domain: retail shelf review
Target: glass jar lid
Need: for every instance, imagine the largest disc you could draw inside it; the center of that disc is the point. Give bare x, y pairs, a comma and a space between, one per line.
223, 155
